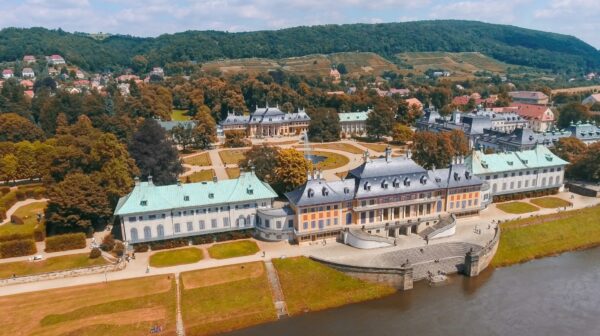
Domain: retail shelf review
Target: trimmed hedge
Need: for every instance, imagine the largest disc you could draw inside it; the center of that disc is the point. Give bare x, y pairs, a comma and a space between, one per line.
65, 242
169, 244
16, 220
522, 195
17, 248
95, 253
14, 236
196, 240
9, 199
119, 249
141, 248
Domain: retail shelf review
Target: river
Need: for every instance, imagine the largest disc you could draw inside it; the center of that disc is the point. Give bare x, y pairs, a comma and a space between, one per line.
546, 297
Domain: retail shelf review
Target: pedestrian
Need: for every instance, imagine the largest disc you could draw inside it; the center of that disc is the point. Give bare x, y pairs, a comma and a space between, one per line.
426, 240
263, 254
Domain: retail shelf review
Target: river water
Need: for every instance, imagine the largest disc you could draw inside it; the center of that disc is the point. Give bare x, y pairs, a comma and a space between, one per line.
552, 296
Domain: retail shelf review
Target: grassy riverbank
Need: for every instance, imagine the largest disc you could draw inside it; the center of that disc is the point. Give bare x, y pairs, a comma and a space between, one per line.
535, 237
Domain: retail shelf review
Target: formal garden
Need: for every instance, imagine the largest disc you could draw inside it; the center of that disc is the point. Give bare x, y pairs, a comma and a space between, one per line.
188, 255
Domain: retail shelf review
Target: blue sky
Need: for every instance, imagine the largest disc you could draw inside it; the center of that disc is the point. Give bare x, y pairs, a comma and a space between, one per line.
580, 18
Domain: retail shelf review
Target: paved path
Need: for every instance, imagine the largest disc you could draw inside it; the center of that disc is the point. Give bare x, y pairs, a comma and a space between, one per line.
179, 323
19, 204
278, 298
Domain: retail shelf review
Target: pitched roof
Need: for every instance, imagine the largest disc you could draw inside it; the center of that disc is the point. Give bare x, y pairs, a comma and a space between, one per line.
539, 157
531, 111
354, 116
318, 191
147, 197
528, 95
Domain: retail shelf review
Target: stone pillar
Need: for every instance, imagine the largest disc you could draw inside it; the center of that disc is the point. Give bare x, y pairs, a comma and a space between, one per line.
471, 264
407, 276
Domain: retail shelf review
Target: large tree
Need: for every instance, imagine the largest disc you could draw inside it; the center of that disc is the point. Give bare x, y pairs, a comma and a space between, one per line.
183, 135
205, 133
432, 149
587, 165
290, 170
572, 112
324, 126
263, 159
459, 142
155, 154
236, 139
380, 121
15, 128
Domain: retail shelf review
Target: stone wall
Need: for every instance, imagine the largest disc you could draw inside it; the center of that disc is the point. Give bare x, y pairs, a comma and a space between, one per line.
63, 274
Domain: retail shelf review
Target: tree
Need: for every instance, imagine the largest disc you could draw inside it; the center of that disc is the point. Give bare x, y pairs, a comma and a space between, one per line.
572, 112
341, 68
440, 97
139, 63
290, 170
183, 135
263, 159
236, 138
15, 128
155, 154
205, 133
401, 134
9, 166
380, 121
459, 142
324, 126
587, 167
569, 149
77, 204
432, 149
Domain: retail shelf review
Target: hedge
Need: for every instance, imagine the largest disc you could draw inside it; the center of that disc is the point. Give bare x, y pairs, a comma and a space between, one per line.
169, 244
141, 248
17, 248
526, 194
14, 236
95, 253
4, 191
71, 241
9, 199
16, 220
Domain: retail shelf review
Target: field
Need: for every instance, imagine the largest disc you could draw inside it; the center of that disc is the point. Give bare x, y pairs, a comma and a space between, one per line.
550, 202
356, 63
339, 146
198, 160
332, 161
310, 286
182, 256
127, 307
516, 207
61, 263
203, 175
233, 172
29, 215
591, 88
463, 64
232, 156
179, 115
221, 299
233, 249
525, 239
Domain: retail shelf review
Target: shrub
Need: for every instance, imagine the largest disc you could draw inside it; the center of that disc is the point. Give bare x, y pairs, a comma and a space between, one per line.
141, 248
206, 239
108, 243
17, 248
39, 233
16, 220
15, 236
38, 192
95, 253
4, 191
65, 242
2, 213
168, 244
21, 194
119, 249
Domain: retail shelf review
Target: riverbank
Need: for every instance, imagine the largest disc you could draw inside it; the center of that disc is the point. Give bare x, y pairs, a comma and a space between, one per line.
541, 236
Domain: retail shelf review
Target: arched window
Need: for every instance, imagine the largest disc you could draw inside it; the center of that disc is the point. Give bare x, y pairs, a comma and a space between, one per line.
147, 232
310, 193
134, 234
348, 218
241, 222
160, 230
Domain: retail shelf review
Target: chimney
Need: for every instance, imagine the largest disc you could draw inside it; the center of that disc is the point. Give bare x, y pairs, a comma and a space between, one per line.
366, 156
137, 181
408, 154
308, 175
214, 179
150, 180
388, 154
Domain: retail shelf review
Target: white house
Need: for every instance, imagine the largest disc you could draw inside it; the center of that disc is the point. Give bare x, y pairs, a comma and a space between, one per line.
28, 73
7, 73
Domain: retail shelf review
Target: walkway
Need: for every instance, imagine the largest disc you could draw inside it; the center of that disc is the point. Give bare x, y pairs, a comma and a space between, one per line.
18, 205
179, 324
278, 298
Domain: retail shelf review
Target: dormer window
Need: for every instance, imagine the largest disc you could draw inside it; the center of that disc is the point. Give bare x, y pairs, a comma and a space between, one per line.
367, 186
211, 195
423, 179
396, 183
467, 175
456, 177
143, 203
484, 164
407, 182
310, 193
186, 198
250, 191
384, 184
510, 163
325, 191
346, 190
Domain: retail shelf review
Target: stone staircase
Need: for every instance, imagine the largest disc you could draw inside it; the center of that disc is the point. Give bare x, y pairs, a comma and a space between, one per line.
278, 298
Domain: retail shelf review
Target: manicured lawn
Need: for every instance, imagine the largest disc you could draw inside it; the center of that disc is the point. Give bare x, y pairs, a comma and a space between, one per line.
53, 264
332, 161
339, 146
516, 207
377, 147
529, 238
232, 156
233, 172
127, 307
222, 299
550, 202
309, 286
179, 115
182, 256
29, 215
233, 249
203, 175
198, 160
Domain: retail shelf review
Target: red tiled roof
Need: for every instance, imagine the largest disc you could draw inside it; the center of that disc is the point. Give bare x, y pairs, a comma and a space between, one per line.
531, 111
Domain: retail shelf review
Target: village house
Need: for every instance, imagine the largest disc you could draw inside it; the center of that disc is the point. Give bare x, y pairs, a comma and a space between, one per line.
540, 117
56, 60
529, 97
157, 71
7, 73
335, 75
268, 122
29, 59
354, 123
26, 83
28, 73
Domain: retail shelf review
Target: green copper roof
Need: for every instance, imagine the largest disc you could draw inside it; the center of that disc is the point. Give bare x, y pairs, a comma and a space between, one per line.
353, 116
147, 197
539, 157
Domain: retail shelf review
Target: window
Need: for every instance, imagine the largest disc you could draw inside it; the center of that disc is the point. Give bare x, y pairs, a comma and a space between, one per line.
131, 219
348, 218
160, 230
202, 225
140, 218
551, 180
152, 217
305, 225
519, 184
177, 228
143, 203
504, 186
321, 224
213, 223
147, 232
186, 198
242, 222
226, 222
134, 234
335, 221
278, 224
512, 184
526, 183
267, 223
163, 216
290, 223
190, 226
313, 224
328, 222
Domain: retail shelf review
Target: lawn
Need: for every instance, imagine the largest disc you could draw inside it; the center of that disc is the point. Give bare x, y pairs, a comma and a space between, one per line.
332, 161
29, 215
233, 249
127, 307
339, 146
198, 160
529, 238
187, 255
232, 156
222, 299
233, 172
516, 207
53, 264
550, 202
310, 286
203, 175
377, 147
179, 115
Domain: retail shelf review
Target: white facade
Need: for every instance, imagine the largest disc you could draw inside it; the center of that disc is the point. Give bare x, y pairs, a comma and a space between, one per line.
524, 180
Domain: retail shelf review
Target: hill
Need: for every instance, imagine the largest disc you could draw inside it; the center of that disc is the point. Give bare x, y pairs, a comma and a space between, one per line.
509, 44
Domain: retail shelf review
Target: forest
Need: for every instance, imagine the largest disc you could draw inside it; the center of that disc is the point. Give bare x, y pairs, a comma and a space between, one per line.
554, 52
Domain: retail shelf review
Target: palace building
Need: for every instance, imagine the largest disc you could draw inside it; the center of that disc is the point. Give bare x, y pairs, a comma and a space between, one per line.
268, 122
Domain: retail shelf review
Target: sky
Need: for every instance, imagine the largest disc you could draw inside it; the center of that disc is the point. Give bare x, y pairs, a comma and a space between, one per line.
580, 18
